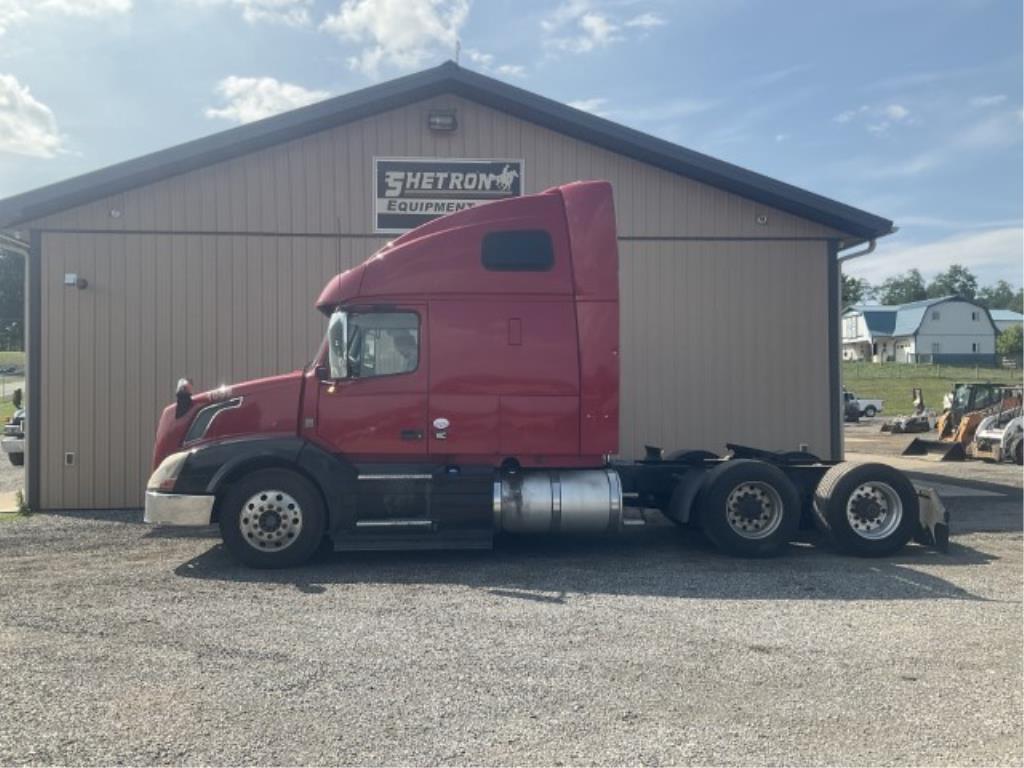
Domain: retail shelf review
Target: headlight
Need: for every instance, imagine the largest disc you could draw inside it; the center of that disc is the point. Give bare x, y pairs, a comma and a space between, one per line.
166, 475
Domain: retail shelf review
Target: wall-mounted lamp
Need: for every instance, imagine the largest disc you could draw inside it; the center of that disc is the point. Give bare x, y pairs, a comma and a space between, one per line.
442, 120
74, 281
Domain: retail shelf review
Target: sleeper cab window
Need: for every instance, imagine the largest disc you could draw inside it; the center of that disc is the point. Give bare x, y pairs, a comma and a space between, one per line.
518, 250
383, 343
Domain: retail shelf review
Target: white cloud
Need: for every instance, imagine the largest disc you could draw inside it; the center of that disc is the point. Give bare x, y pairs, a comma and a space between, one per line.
27, 126
849, 114
511, 70
988, 101
937, 222
884, 117
581, 26
254, 98
781, 137
17, 11
991, 255
998, 131
479, 57
646, 21
485, 61
667, 111
400, 34
292, 13
917, 164
593, 105
896, 112
995, 132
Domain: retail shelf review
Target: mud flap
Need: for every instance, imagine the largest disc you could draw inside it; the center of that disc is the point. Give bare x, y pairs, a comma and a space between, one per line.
935, 450
933, 522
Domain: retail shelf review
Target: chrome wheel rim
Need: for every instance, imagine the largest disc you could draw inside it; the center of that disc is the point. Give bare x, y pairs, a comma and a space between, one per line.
270, 521
874, 510
754, 510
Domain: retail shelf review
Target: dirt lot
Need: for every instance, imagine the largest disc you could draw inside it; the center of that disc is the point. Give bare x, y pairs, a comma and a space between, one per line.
119, 643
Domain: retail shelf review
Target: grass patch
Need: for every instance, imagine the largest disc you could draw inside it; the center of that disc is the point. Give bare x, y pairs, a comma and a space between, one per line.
7, 517
12, 358
6, 411
893, 382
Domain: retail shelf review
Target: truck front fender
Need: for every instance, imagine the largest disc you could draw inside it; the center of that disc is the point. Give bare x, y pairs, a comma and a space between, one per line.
213, 467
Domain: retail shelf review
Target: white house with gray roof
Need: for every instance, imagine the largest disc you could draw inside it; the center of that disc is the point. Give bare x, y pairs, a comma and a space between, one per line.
947, 330
1005, 319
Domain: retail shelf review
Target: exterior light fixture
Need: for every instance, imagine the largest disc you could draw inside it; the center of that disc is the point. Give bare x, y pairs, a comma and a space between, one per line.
442, 120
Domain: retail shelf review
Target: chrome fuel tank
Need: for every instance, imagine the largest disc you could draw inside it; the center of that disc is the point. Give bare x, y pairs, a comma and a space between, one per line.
552, 500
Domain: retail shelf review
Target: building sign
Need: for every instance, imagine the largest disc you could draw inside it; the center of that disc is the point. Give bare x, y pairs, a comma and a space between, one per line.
412, 191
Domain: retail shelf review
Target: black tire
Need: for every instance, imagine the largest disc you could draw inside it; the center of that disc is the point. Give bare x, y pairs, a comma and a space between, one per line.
1018, 452
714, 512
877, 531
262, 502
870, 412
17, 459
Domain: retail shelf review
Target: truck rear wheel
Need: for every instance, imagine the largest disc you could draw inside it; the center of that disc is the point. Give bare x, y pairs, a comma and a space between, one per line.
748, 508
18, 459
869, 510
272, 518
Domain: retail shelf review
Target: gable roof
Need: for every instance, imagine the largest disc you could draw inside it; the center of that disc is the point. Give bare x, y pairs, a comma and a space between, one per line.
448, 78
905, 319
1006, 316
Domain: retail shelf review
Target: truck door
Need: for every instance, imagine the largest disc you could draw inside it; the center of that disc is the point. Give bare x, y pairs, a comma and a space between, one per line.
378, 410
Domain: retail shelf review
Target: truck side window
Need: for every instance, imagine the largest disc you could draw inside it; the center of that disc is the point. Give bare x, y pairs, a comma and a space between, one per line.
383, 343
518, 250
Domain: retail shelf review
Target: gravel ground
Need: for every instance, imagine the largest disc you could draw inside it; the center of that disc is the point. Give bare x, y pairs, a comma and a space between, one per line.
121, 644
12, 478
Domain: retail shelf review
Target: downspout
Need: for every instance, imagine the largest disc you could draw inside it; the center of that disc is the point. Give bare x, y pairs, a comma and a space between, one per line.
838, 446
857, 254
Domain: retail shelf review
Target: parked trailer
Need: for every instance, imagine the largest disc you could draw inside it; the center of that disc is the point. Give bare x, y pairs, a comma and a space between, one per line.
468, 385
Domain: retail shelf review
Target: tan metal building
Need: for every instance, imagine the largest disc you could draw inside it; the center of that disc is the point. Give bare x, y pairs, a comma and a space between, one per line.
204, 260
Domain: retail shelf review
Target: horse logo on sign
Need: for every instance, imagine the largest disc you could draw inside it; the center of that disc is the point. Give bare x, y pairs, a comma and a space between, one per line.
506, 178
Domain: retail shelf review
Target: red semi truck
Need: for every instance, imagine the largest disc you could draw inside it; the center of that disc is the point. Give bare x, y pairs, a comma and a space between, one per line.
469, 384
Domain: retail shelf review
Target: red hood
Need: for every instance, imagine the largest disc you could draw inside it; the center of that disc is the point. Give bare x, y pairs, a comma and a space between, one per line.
259, 407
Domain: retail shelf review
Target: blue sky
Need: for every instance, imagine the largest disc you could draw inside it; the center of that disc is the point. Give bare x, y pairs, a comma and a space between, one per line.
908, 108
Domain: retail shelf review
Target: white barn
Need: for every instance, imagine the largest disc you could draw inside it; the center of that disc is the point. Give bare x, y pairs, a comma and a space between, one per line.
949, 330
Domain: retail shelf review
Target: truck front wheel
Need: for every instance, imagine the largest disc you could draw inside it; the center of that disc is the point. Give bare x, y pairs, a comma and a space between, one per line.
272, 518
748, 508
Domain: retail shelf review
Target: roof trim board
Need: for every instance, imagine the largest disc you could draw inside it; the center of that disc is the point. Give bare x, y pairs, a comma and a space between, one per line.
444, 79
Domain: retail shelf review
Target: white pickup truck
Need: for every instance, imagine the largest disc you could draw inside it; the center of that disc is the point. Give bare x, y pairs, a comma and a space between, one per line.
868, 407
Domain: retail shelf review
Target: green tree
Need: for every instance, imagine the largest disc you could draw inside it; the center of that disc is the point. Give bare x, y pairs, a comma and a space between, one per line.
855, 290
1017, 305
902, 289
957, 280
1010, 341
12, 300
998, 296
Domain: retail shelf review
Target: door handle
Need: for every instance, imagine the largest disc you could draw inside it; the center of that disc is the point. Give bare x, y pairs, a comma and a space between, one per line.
411, 434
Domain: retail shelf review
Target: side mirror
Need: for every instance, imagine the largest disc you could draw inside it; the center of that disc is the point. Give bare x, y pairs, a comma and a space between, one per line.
322, 372
183, 397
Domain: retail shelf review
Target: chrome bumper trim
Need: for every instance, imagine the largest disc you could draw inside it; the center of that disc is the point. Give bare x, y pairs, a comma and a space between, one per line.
178, 509
13, 444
